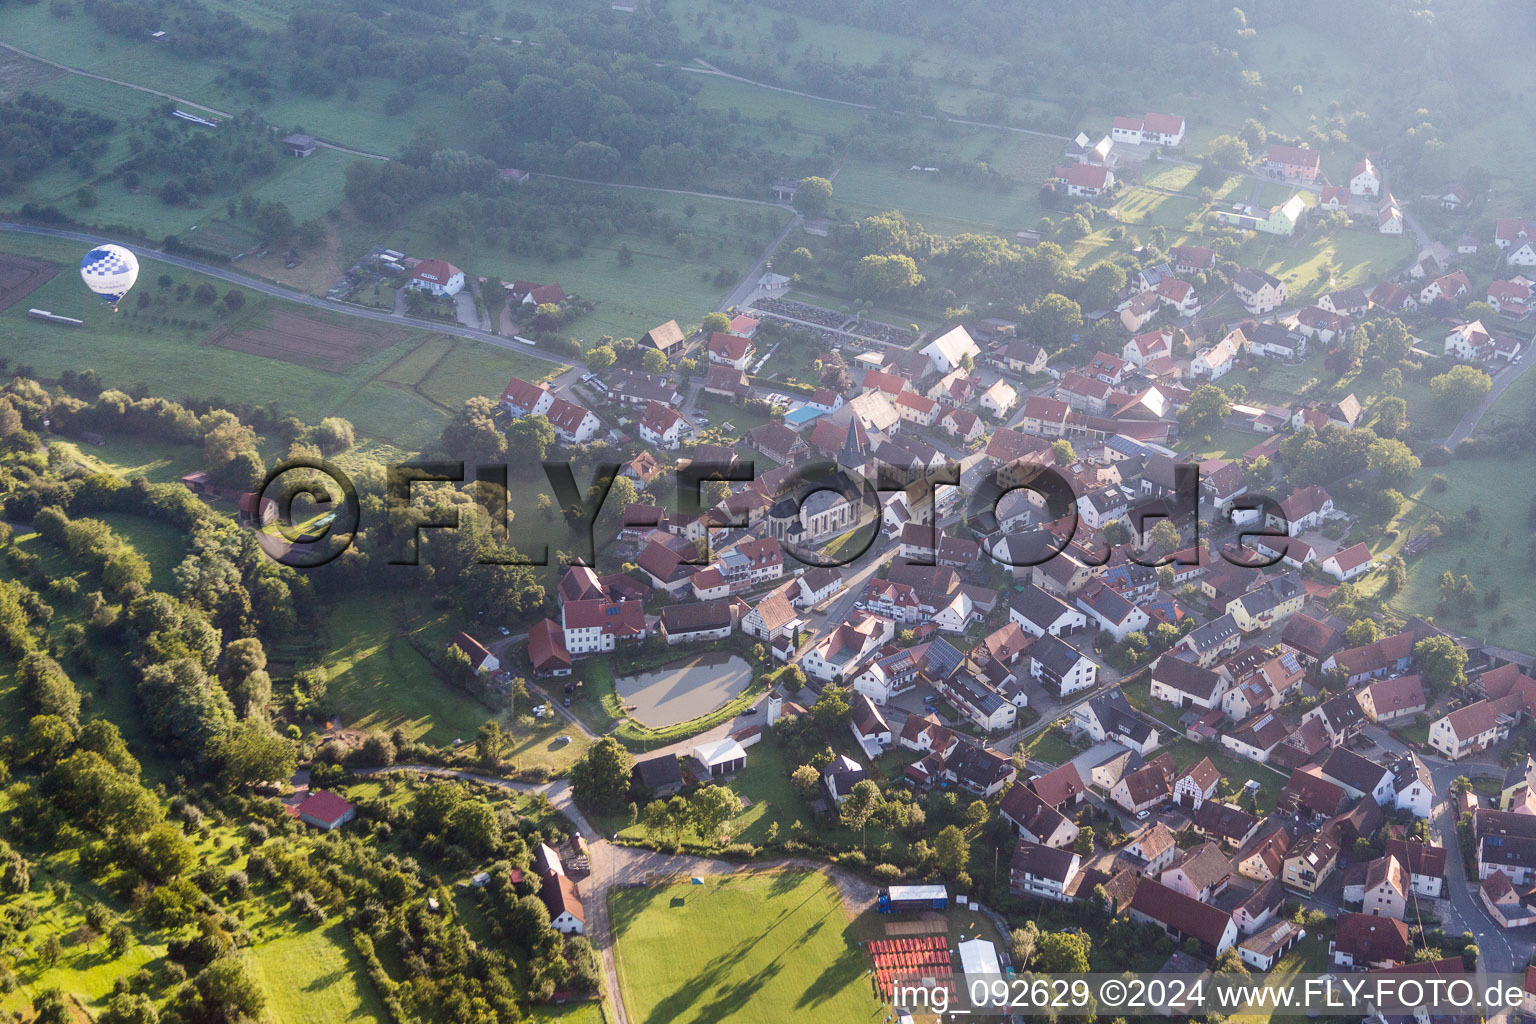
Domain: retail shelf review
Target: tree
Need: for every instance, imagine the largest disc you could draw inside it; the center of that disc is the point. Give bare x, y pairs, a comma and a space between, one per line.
334, 435
653, 361
205, 294
234, 299
489, 743
1391, 416
473, 824
952, 851
715, 323
1083, 846
1392, 459
1064, 453
1206, 406
1461, 386
814, 196
1440, 661
601, 778
1063, 953
807, 782
1165, 537
254, 753
831, 709
600, 358
1362, 632
861, 805
228, 991
1230, 152
1054, 320
530, 436
876, 276
1022, 943
710, 808
130, 1008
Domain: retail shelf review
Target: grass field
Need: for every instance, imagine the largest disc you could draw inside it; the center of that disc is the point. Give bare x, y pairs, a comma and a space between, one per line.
179, 364
1493, 553
739, 949
312, 975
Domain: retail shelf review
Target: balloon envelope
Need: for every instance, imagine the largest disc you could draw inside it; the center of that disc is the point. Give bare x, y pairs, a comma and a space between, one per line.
109, 271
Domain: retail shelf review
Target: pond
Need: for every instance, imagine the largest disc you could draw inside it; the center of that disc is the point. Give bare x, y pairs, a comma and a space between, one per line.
683, 689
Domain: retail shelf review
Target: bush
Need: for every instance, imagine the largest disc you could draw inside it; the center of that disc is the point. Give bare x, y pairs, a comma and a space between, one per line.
738, 851
886, 873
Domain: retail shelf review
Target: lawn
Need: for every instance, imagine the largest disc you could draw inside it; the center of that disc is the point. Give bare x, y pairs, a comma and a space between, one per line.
160, 543
741, 948
379, 681
1493, 553
1047, 746
313, 975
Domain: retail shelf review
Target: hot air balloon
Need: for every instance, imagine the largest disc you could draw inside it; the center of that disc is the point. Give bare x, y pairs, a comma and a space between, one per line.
109, 271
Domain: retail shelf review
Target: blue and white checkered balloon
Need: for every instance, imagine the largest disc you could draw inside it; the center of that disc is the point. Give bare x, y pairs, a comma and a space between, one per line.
109, 271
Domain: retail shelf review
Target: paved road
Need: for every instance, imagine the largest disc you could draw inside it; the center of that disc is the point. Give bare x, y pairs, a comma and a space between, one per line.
290, 295
1467, 425
743, 291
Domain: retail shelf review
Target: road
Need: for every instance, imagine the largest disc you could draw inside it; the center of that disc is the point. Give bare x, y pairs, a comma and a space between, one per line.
1467, 913
289, 294
743, 291
1467, 425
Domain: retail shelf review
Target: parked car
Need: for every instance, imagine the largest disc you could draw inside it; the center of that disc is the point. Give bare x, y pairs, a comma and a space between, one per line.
1142, 815
503, 630
750, 711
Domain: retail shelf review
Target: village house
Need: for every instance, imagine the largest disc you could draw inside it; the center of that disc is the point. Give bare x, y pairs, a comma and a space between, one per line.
1264, 860
1518, 240
1085, 179
1259, 292
1202, 872
1292, 162
1060, 667
730, 350
437, 277
1350, 563
1182, 917
1364, 179
1196, 785
1311, 861
1109, 716
1187, 684
1149, 129
1393, 699
1473, 728
1043, 872
1365, 940
1450, 287
1035, 820
667, 339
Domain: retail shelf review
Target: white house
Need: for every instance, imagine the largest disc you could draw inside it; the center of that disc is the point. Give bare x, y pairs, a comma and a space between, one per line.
572, 423
1364, 179
1349, 563
947, 352
1518, 240
1259, 292
662, 427
437, 278
999, 398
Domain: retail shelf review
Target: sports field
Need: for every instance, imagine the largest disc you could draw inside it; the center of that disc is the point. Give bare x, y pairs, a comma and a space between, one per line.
741, 949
